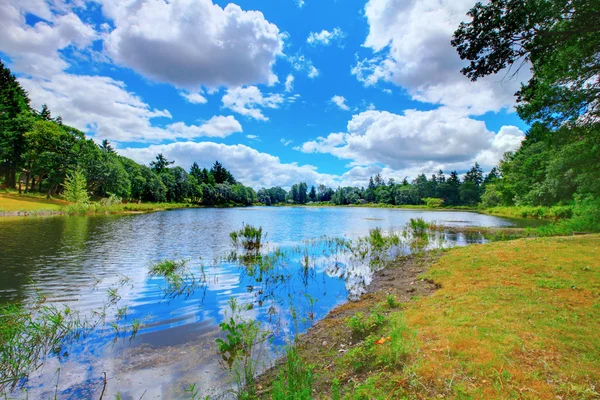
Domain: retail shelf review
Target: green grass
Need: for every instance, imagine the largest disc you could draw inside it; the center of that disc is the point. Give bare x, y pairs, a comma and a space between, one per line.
536, 212
515, 319
10, 202
37, 204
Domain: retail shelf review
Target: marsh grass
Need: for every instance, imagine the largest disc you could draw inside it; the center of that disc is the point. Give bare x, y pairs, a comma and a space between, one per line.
180, 279
242, 350
249, 238
29, 335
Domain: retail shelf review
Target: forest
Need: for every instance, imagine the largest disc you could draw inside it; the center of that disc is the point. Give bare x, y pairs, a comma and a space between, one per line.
41, 153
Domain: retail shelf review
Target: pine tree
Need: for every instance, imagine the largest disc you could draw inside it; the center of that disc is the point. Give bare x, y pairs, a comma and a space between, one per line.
15, 120
75, 188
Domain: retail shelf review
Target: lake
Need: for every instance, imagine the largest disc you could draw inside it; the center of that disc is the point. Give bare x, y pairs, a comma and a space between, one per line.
96, 263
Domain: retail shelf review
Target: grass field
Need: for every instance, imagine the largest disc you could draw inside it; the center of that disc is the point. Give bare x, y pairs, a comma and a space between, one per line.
510, 320
11, 202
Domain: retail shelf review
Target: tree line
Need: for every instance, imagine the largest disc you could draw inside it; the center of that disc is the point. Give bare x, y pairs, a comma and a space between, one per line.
438, 190
40, 153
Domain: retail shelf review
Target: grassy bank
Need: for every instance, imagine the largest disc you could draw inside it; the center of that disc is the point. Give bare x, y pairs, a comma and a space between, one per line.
12, 205
11, 202
513, 319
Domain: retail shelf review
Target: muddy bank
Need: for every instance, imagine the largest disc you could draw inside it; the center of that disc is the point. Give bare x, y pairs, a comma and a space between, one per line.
330, 338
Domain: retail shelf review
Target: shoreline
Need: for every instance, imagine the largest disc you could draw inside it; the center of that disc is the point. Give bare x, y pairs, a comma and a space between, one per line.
481, 321
328, 340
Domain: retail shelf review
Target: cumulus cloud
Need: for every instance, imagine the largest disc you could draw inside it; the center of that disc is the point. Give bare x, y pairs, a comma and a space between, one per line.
267, 170
325, 38
340, 101
248, 101
417, 140
194, 97
300, 3
104, 107
411, 41
218, 126
34, 50
190, 43
289, 83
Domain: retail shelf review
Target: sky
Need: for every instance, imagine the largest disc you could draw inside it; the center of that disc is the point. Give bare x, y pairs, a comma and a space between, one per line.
279, 91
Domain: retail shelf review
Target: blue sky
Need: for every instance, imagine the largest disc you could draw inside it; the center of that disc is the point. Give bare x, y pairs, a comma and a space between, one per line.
322, 91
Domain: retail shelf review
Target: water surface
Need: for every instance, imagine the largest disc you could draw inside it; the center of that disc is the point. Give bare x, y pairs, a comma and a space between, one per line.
76, 260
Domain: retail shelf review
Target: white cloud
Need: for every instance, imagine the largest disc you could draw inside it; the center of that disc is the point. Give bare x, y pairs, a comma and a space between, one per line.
190, 43
286, 142
301, 63
289, 83
325, 38
340, 101
247, 101
34, 50
217, 126
252, 137
266, 170
104, 107
300, 3
412, 45
313, 72
417, 141
194, 97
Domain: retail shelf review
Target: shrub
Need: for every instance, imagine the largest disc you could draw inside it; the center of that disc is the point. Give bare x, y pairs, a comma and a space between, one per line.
433, 202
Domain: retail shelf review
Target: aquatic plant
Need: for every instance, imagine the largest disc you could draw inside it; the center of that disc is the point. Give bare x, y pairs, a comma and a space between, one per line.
29, 335
418, 226
249, 238
179, 277
241, 350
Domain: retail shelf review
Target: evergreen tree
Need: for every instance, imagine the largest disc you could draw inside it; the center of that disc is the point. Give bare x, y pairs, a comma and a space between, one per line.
313, 194
161, 164
45, 114
75, 188
15, 120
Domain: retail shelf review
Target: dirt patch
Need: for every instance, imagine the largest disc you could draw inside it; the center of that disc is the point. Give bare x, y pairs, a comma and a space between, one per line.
324, 343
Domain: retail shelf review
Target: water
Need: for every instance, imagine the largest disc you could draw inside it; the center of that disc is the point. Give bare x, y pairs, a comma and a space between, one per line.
76, 260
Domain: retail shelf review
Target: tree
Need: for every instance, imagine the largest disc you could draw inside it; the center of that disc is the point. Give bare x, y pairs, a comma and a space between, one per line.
492, 176
221, 174
45, 113
474, 175
161, 164
196, 172
313, 194
75, 188
561, 40
15, 120
107, 147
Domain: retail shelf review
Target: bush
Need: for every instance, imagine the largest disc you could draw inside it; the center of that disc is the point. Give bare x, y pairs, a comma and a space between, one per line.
111, 201
491, 197
433, 202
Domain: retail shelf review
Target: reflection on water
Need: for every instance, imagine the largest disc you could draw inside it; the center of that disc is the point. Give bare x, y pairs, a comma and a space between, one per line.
80, 260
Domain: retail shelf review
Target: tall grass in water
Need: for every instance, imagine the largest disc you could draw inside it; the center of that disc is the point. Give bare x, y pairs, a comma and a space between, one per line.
249, 238
180, 280
242, 350
29, 335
